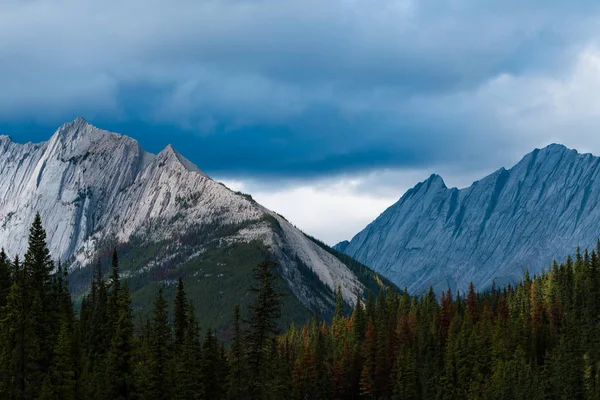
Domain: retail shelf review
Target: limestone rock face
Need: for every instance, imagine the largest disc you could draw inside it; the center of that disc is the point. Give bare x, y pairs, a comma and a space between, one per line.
511, 220
94, 187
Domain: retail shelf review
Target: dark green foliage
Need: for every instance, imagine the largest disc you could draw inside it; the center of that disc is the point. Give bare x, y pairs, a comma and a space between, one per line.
120, 379
16, 341
160, 351
215, 282
189, 361
213, 368
40, 305
180, 313
237, 379
265, 311
537, 340
60, 380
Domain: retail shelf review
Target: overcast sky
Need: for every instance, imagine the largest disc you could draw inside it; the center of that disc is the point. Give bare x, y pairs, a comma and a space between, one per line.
326, 111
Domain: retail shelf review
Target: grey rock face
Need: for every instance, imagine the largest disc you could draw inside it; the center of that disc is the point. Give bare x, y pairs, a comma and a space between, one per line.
94, 187
511, 220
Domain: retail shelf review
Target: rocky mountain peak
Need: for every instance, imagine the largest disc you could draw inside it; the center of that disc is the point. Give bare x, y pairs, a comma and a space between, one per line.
95, 189
435, 182
169, 154
508, 221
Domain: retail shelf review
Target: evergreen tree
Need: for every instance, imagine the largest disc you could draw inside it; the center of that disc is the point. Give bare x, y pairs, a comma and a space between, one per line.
16, 341
188, 373
160, 351
40, 307
120, 379
237, 389
264, 313
367, 377
180, 312
406, 386
60, 383
215, 386
359, 322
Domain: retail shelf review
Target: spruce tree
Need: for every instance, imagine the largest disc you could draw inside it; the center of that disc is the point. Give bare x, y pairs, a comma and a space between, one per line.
120, 380
142, 358
189, 362
160, 351
360, 322
264, 314
236, 359
40, 306
16, 341
38, 263
406, 386
60, 383
368, 387
180, 314
215, 386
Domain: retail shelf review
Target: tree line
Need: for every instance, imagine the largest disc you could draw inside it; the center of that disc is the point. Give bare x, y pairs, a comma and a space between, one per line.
539, 339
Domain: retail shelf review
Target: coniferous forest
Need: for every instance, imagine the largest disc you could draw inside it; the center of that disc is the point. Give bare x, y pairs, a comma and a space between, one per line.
537, 340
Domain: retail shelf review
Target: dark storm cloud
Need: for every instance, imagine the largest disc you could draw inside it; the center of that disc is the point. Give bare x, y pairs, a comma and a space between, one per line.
287, 88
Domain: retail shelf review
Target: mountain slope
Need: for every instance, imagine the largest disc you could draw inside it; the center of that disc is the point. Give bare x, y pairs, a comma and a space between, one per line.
491, 231
96, 189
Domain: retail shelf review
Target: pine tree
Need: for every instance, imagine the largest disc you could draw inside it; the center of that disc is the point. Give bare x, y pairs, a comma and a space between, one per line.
264, 313
180, 312
367, 377
236, 359
406, 386
16, 338
215, 385
40, 306
120, 380
96, 334
472, 304
359, 318
60, 383
38, 263
160, 351
142, 358
188, 372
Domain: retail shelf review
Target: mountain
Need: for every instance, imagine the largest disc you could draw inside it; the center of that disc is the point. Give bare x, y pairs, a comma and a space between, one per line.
95, 190
494, 230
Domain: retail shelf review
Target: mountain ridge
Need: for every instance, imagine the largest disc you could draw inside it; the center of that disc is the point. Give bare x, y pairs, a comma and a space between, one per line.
96, 189
486, 232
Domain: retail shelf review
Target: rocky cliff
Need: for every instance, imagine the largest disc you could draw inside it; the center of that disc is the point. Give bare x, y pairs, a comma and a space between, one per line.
494, 230
96, 189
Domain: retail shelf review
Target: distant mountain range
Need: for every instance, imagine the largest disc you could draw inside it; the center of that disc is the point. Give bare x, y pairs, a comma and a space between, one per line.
95, 189
494, 230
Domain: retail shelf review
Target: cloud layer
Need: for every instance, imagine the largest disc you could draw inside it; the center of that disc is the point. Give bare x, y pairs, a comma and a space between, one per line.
305, 88
326, 111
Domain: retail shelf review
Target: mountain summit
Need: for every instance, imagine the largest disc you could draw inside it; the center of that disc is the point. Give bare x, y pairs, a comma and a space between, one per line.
96, 189
494, 230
